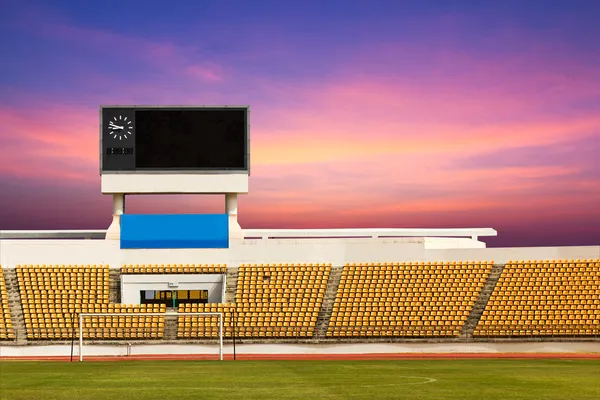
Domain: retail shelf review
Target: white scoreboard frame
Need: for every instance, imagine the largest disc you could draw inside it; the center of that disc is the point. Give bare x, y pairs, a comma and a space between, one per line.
175, 182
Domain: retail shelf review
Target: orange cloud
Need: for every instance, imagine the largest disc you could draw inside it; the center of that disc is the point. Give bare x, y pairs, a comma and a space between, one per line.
50, 141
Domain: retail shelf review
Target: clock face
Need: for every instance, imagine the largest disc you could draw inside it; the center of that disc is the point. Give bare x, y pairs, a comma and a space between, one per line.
120, 127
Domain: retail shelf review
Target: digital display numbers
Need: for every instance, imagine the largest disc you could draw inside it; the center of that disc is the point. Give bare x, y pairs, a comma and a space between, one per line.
119, 150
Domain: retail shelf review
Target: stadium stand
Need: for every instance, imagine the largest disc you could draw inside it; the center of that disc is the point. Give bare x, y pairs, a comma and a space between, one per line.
544, 298
272, 301
425, 299
174, 269
54, 296
6, 329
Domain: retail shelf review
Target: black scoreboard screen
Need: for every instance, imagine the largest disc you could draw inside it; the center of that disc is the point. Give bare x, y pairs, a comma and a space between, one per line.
174, 139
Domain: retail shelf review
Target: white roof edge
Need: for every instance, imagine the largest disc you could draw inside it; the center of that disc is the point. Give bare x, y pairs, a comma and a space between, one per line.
276, 233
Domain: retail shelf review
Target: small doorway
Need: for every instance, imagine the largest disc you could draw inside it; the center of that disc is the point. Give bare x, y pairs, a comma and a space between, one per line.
173, 298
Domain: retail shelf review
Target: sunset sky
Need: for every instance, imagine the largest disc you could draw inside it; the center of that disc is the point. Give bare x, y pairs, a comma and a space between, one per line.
417, 114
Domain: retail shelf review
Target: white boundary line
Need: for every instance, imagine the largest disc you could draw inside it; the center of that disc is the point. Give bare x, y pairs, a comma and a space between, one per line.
300, 384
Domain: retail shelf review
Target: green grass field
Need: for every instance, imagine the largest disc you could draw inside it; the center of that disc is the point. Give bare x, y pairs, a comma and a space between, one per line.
374, 380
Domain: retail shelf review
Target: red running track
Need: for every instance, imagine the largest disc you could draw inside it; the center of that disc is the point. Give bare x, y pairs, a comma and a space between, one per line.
379, 356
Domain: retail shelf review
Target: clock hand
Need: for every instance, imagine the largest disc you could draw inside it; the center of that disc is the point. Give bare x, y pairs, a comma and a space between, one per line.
113, 126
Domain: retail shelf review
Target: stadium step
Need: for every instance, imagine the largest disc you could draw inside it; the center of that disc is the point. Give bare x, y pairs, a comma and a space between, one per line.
115, 286
327, 306
171, 325
481, 302
14, 304
231, 285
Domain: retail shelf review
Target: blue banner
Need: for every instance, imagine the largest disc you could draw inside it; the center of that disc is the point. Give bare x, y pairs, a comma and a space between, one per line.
176, 231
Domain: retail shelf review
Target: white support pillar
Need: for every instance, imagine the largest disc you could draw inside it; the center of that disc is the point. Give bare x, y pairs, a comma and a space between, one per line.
114, 230
231, 208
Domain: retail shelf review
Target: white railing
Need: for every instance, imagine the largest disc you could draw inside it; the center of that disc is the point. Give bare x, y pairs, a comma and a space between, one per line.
372, 233
54, 234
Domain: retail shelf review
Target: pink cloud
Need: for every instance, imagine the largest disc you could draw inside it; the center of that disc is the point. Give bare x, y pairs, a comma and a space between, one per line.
205, 73
52, 142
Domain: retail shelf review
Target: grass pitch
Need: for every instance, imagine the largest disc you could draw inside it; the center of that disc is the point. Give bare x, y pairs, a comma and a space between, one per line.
373, 380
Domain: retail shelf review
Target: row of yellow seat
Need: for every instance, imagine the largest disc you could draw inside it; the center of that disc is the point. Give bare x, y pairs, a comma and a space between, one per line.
551, 330
147, 333
174, 269
73, 270
420, 264
277, 267
395, 332
555, 261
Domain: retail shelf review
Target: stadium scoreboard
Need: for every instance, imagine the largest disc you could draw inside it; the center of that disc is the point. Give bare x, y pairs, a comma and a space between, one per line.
170, 139
174, 149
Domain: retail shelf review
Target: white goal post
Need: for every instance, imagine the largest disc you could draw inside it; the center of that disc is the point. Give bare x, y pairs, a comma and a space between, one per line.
155, 314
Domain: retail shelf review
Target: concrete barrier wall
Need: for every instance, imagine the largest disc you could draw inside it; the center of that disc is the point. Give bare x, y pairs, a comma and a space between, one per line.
308, 349
335, 251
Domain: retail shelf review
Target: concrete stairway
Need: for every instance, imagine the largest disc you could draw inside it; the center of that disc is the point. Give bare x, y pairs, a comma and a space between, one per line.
232, 278
115, 286
481, 302
171, 325
326, 307
14, 304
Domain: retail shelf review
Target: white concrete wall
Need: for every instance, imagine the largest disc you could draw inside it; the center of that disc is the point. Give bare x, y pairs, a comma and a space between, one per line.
330, 250
337, 348
131, 285
13, 252
452, 243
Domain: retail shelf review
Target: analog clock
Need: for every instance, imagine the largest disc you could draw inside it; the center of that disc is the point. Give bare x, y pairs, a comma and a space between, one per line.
120, 127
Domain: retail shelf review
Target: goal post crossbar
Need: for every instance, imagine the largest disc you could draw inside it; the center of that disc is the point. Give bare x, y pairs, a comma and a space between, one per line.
151, 314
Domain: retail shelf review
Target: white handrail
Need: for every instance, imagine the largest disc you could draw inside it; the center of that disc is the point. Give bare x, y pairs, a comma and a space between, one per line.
54, 234
367, 233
